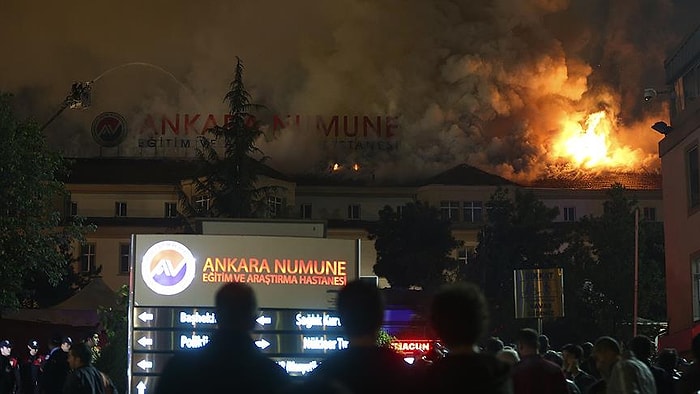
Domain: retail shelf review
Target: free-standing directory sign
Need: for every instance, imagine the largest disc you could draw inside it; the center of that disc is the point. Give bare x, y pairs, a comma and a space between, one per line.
174, 279
539, 293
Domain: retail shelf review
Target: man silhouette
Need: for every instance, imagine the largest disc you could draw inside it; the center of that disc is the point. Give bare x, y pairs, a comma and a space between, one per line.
230, 362
363, 367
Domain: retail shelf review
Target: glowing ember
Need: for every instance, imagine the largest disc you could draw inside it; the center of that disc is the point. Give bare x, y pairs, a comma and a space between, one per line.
594, 146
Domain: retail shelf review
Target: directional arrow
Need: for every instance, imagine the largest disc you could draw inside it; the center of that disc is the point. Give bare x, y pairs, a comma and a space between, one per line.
146, 316
145, 341
262, 343
262, 320
141, 387
145, 364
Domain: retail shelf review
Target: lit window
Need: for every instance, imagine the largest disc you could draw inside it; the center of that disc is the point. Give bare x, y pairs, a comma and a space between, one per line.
570, 214
473, 211
202, 203
124, 263
274, 206
120, 209
354, 211
466, 254
170, 209
305, 211
87, 257
449, 210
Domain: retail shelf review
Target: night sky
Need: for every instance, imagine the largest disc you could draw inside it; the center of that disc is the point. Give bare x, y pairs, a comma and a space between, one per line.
483, 82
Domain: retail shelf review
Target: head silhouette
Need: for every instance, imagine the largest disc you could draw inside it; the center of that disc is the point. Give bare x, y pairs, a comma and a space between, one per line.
458, 314
236, 307
361, 308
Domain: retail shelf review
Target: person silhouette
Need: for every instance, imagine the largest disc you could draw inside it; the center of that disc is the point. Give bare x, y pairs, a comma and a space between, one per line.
230, 361
459, 316
364, 367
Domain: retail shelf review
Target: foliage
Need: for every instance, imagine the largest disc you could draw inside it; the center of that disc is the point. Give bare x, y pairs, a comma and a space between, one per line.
518, 234
35, 240
606, 245
113, 357
414, 248
384, 339
229, 180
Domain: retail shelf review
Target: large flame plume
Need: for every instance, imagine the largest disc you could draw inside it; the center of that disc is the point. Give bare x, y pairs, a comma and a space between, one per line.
587, 141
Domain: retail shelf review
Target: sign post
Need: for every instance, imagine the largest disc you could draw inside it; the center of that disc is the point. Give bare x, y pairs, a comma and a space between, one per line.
539, 293
174, 279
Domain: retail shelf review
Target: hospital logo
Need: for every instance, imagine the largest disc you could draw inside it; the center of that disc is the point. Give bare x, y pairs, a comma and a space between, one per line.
168, 267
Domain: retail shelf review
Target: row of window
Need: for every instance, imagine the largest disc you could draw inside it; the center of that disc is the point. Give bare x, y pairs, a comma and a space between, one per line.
88, 257
120, 209
471, 211
456, 211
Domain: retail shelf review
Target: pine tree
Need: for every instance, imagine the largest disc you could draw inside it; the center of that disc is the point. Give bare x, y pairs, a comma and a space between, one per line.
227, 178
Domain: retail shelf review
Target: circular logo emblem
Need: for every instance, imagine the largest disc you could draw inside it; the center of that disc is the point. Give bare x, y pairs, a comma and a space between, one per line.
109, 129
168, 267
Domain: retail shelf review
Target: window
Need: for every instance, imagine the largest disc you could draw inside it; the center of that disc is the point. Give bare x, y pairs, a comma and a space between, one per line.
87, 257
399, 210
354, 212
124, 249
73, 208
472, 211
449, 210
170, 210
274, 206
202, 203
649, 213
696, 288
305, 211
569, 214
120, 209
693, 176
465, 254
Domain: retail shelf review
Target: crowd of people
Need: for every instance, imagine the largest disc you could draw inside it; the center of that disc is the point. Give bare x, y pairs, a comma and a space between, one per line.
231, 362
459, 316
67, 368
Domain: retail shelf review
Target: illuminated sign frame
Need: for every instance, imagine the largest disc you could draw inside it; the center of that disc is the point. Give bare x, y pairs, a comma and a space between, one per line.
174, 279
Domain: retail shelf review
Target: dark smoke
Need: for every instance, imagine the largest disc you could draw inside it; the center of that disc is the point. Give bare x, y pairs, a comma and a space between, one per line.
483, 82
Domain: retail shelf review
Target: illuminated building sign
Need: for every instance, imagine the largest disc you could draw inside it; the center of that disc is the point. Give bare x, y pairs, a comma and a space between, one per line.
175, 279
411, 346
177, 132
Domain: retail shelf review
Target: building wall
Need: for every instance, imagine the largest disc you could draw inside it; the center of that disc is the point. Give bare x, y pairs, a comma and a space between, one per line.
145, 213
681, 221
681, 233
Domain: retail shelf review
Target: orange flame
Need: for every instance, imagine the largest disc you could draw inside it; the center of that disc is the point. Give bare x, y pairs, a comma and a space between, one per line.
594, 146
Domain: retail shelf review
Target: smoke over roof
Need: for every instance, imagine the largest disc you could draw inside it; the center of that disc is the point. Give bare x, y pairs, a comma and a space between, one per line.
482, 82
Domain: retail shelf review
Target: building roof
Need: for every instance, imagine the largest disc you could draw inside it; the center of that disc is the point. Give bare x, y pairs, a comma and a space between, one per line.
169, 171
467, 175
139, 171
629, 180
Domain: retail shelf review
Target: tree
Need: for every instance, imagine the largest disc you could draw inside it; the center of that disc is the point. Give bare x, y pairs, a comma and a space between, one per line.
36, 241
414, 247
607, 251
228, 181
519, 233
113, 357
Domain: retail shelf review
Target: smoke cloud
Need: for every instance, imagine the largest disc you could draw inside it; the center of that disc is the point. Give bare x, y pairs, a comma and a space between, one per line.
482, 82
